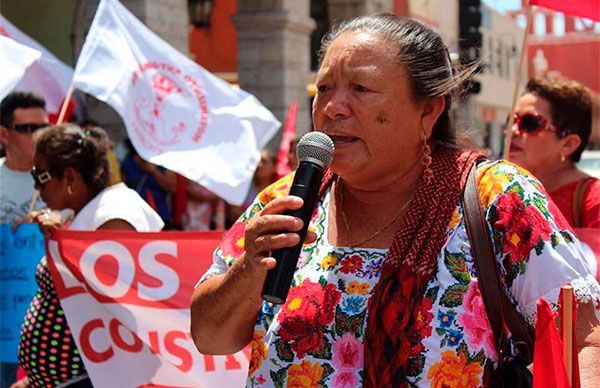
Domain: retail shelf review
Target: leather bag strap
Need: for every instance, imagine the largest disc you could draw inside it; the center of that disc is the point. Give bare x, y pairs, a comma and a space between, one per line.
499, 309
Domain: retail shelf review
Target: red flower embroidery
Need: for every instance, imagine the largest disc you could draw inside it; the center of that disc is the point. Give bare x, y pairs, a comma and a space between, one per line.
308, 309
522, 227
233, 242
351, 264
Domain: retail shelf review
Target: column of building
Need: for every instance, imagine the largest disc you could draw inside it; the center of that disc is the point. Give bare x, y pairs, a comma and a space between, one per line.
274, 55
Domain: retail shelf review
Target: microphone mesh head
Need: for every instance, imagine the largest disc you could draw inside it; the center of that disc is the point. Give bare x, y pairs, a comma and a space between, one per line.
315, 146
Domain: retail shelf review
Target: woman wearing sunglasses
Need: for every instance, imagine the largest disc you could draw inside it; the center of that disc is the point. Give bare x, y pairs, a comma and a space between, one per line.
552, 126
71, 171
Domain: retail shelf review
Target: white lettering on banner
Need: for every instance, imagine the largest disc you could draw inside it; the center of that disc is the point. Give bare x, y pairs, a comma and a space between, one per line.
165, 274
173, 344
125, 273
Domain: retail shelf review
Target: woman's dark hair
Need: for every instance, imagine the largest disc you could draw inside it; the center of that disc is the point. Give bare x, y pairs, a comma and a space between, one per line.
68, 145
570, 107
423, 54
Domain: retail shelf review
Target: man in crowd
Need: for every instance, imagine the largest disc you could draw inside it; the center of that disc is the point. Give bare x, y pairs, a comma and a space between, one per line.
21, 114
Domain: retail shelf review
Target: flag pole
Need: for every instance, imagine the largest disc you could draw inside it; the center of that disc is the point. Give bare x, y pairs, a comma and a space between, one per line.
511, 119
566, 325
63, 108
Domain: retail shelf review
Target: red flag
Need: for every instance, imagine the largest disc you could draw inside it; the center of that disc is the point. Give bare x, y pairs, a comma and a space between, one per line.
289, 132
589, 9
53, 116
548, 368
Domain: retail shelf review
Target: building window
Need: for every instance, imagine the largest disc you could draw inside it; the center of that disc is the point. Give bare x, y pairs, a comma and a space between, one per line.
200, 12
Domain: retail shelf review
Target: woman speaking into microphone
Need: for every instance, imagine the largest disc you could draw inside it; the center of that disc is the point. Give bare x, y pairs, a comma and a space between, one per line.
385, 290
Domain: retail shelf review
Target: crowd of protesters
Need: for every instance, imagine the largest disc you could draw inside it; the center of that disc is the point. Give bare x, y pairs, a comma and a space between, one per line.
552, 115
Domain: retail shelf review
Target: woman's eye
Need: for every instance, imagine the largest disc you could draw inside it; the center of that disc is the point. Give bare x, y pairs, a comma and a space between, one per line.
322, 88
361, 88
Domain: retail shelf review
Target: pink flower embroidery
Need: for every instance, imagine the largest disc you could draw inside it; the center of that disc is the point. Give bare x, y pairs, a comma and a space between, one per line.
233, 242
478, 332
345, 380
347, 352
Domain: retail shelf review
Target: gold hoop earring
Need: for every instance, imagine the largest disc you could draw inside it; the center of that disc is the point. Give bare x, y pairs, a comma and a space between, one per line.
69, 190
426, 160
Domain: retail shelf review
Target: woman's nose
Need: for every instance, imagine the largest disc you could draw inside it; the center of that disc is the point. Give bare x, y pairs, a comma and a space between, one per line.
514, 129
337, 106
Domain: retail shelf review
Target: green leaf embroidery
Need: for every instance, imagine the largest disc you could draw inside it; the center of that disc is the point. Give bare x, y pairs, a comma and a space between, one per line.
554, 240
323, 282
278, 377
415, 365
431, 293
345, 323
324, 352
567, 236
539, 247
284, 351
457, 265
454, 295
327, 371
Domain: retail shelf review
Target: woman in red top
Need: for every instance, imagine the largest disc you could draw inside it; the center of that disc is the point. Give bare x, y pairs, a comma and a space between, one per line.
552, 126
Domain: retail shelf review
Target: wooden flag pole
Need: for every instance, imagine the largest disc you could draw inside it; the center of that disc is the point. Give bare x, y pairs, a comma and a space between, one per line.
511, 119
566, 322
63, 108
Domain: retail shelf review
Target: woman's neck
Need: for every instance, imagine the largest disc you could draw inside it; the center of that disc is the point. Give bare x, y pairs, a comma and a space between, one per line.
554, 178
385, 189
81, 200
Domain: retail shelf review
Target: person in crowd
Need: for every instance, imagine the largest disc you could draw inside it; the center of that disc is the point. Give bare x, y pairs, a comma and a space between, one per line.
264, 175
21, 114
71, 170
552, 126
292, 157
153, 183
385, 291
201, 205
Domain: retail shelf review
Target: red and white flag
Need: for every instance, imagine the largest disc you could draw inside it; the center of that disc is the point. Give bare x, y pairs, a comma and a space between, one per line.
15, 58
126, 297
48, 77
177, 114
589, 9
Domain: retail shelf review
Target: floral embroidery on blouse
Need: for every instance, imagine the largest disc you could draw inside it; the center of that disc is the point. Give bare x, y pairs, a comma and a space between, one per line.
315, 338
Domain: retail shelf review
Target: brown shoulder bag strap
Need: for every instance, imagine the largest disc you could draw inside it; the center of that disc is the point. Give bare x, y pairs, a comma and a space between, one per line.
497, 306
578, 201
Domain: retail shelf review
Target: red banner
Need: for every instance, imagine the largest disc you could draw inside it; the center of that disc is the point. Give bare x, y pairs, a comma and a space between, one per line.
126, 297
589, 9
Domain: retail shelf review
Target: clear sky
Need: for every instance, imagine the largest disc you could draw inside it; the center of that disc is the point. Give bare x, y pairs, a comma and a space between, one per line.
504, 5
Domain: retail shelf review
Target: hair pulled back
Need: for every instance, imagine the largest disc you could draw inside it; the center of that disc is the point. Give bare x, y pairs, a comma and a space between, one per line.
68, 145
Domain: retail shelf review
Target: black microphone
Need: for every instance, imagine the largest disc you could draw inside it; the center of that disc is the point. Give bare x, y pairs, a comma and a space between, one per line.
315, 153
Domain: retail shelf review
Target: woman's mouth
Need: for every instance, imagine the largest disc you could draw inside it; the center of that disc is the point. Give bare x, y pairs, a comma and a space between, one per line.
514, 148
342, 140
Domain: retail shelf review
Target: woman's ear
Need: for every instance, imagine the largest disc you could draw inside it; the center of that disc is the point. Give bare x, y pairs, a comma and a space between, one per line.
432, 110
570, 144
71, 175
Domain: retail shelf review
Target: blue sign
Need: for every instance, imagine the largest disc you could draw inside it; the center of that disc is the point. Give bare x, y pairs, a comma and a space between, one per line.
20, 253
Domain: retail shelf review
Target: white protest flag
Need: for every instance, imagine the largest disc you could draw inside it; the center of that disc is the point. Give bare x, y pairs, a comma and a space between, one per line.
14, 60
48, 77
177, 114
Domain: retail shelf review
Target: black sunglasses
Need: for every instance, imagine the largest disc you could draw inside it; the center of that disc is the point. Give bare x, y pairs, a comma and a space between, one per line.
40, 178
28, 127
